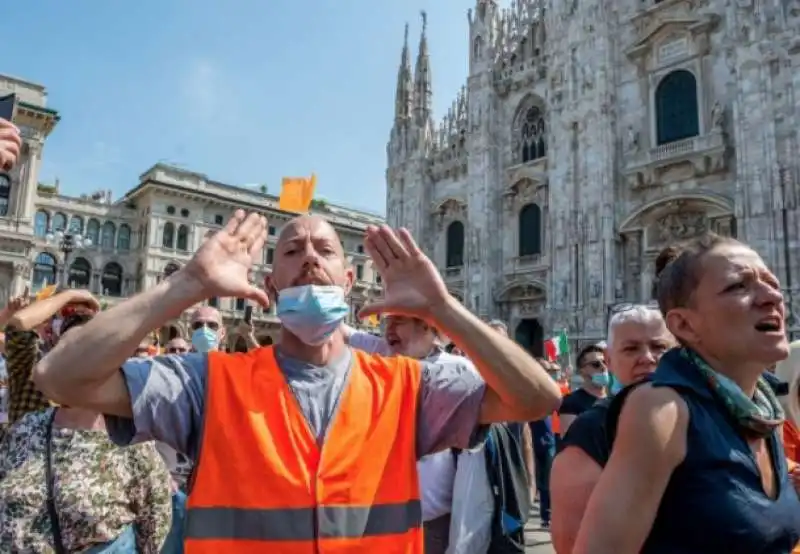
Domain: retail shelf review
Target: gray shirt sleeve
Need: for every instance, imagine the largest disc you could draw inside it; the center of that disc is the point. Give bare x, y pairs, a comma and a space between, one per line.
449, 406
369, 343
168, 402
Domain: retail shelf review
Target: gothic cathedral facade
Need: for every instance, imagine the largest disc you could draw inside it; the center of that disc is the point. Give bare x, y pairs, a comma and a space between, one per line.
590, 134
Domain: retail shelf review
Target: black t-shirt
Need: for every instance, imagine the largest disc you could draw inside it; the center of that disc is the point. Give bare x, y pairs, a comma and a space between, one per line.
577, 402
588, 432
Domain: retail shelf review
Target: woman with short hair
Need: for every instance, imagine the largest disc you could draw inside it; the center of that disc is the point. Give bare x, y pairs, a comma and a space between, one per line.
637, 338
698, 464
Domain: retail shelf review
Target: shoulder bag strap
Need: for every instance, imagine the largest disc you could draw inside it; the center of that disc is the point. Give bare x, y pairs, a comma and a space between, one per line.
50, 478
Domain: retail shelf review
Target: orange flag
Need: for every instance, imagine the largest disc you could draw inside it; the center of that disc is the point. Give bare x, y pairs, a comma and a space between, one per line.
297, 193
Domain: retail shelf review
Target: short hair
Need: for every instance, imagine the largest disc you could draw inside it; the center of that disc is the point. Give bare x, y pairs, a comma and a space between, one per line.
497, 324
586, 350
678, 269
638, 313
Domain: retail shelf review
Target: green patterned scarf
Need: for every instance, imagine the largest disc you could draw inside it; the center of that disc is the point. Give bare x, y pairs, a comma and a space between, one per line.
758, 416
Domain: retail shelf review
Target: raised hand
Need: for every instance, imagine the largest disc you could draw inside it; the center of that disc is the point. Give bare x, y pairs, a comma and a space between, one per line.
10, 145
223, 262
411, 283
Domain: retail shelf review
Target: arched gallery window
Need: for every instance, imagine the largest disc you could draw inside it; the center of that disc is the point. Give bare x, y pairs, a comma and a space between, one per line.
93, 231
40, 223
168, 238
676, 108
80, 274
109, 231
124, 237
59, 222
44, 271
455, 244
112, 279
183, 238
530, 230
76, 225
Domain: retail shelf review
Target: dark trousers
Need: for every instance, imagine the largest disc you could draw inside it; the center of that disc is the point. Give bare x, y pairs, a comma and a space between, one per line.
174, 542
437, 534
544, 451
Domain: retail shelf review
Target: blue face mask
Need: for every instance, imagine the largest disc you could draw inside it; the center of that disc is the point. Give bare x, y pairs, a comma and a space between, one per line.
204, 339
312, 313
616, 386
601, 379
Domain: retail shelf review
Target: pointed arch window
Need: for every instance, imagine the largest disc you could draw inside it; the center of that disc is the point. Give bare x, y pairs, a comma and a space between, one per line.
455, 244
80, 274
532, 139
109, 232
677, 116
40, 223
124, 237
112, 279
44, 271
530, 230
168, 238
93, 231
183, 238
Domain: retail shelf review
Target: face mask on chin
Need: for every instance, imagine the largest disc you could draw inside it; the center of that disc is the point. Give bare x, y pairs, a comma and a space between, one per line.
312, 313
204, 340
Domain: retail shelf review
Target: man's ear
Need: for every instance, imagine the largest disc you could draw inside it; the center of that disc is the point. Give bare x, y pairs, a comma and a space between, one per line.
349, 277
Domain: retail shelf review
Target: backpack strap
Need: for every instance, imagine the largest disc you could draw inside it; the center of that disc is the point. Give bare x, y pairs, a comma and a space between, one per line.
615, 409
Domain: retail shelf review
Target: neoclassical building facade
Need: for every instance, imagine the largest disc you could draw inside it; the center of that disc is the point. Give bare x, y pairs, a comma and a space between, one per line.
127, 245
587, 136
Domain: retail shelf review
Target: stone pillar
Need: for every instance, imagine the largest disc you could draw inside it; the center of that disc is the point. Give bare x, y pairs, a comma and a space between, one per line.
21, 278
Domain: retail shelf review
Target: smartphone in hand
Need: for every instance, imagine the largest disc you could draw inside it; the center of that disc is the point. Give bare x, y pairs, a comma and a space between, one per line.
248, 314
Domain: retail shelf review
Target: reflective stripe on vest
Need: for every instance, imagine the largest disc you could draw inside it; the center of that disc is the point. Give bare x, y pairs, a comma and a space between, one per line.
298, 524
262, 483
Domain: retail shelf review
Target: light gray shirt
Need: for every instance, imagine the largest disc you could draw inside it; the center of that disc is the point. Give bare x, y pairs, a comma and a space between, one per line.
168, 400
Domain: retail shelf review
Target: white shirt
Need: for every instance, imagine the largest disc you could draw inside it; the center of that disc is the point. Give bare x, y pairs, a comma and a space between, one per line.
437, 472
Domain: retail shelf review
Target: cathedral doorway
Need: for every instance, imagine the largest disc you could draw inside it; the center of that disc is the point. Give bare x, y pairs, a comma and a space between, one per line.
167, 333
530, 335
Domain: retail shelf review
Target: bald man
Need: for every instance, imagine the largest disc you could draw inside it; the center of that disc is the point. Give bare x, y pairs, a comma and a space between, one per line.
263, 477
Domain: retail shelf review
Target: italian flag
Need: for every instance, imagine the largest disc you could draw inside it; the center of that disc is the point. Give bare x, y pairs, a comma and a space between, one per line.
557, 346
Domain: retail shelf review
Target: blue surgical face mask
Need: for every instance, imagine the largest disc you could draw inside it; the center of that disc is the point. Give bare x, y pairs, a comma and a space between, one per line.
312, 313
601, 379
616, 386
204, 339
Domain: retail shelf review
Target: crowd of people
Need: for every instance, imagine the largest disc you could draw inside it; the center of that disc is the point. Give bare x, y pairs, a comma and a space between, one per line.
435, 437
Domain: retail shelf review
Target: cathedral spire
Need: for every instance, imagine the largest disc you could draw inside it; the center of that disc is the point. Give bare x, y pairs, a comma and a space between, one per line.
423, 91
402, 103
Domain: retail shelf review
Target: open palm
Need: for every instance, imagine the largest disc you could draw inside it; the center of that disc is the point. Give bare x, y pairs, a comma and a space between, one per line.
222, 264
412, 284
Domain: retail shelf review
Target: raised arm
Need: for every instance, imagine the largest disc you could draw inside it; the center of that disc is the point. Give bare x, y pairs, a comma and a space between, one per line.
83, 369
650, 443
518, 389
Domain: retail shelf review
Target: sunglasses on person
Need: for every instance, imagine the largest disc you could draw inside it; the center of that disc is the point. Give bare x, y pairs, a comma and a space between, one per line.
213, 325
177, 350
595, 364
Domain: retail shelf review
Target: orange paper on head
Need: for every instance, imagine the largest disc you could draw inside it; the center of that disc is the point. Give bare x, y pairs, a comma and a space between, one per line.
297, 193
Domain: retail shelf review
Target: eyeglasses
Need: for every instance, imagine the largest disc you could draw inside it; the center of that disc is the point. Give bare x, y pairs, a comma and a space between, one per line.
213, 325
177, 350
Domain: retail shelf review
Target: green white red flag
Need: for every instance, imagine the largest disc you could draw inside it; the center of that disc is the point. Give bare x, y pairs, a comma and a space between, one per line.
557, 346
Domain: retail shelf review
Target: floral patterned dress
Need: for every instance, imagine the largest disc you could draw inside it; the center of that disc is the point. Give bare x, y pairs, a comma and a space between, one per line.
100, 489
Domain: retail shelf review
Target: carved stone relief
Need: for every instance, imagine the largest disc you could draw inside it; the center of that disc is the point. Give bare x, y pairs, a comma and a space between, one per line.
678, 226
631, 140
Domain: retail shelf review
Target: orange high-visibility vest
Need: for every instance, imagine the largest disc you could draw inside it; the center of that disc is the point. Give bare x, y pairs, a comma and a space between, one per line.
262, 484
555, 421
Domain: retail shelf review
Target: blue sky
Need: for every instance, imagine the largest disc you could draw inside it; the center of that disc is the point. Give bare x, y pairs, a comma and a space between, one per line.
245, 91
